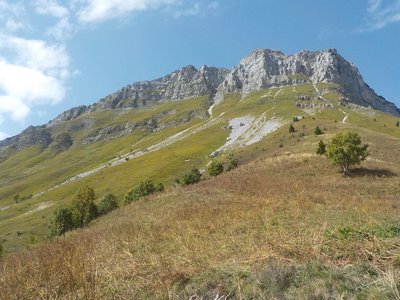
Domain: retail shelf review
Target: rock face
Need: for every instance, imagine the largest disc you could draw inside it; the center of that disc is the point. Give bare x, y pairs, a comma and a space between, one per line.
182, 84
265, 68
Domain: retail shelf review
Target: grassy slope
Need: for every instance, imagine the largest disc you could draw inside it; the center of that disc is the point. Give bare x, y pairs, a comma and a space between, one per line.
164, 165
284, 226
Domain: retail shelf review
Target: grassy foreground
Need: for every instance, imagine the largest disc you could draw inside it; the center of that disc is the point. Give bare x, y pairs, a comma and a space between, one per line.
288, 226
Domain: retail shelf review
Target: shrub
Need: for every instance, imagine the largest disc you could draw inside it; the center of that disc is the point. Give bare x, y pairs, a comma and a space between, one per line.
143, 189
398, 123
317, 131
215, 168
295, 119
191, 177
233, 163
107, 204
84, 209
321, 148
62, 222
345, 150
291, 128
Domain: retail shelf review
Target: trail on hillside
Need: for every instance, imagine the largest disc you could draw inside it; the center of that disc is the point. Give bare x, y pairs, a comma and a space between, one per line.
345, 117
128, 156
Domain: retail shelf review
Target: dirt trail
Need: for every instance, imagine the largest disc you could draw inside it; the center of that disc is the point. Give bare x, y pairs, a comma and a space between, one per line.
128, 156
345, 117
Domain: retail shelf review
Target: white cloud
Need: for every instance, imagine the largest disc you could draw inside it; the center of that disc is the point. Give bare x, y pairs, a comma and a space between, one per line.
32, 73
101, 10
51, 8
381, 13
12, 16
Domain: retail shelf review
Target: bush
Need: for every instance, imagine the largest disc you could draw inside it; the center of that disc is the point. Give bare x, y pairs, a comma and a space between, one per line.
233, 163
291, 128
107, 204
190, 178
84, 209
321, 148
215, 168
345, 150
143, 189
62, 222
317, 131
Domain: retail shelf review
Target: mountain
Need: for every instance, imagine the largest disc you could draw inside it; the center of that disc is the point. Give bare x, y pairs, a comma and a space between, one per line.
285, 224
263, 68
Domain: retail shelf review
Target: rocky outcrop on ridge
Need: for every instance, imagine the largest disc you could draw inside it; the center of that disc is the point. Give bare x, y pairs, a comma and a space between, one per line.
265, 68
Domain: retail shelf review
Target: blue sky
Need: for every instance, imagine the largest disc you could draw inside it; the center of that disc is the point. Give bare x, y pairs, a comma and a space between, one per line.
58, 54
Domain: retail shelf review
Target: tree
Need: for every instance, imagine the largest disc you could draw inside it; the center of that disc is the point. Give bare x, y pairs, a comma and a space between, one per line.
84, 209
317, 131
346, 150
191, 177
291, 128
144, 188
321, 148
233, 163
215, 168
107, 204
62, 222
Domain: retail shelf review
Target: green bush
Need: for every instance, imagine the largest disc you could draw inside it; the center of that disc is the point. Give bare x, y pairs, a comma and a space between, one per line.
107, 204
291, 128
84, 208
190, 178
215, 168
233, 163
321, 148
346, 149
62, 222
144, 188
317, 131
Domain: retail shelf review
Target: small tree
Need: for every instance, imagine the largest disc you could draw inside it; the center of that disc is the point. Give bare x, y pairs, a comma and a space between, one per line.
295, 119
62, 222
215, 168
291, 128
346, 150
191, 177
84, 209
317, 131
107, 204
321, 148
233, 163
143, 189
398, 123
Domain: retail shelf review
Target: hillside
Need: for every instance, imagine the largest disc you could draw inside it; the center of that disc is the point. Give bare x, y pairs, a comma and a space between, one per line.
286, 226
284, 223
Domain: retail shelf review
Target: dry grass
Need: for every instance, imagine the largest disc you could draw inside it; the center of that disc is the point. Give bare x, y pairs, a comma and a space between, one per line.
261, 225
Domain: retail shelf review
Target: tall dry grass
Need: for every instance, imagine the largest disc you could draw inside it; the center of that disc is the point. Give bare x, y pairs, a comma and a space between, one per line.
291, 209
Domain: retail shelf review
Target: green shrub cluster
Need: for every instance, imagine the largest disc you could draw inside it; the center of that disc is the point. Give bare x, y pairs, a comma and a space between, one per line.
143, 189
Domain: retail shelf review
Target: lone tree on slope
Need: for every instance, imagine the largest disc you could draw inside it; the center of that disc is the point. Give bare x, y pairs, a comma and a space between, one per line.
346, 150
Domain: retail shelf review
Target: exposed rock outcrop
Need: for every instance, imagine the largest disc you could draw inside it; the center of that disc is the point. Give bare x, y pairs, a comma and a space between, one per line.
265, 68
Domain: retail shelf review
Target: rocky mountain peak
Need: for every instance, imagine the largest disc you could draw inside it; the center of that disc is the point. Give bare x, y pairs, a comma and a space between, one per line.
264, 68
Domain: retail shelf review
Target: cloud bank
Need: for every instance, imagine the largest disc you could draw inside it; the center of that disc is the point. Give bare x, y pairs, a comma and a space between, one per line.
381, 13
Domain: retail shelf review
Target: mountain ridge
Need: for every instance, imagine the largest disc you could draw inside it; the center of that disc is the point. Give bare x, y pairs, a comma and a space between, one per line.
262, 68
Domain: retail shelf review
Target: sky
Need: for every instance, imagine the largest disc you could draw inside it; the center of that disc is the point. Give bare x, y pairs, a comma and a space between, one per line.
55, 54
